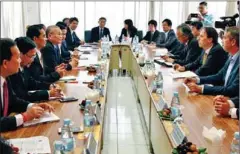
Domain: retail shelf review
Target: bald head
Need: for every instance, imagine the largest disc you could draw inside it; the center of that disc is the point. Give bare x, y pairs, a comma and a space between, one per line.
54, 34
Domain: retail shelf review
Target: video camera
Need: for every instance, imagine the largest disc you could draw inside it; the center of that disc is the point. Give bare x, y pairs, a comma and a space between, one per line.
228, 21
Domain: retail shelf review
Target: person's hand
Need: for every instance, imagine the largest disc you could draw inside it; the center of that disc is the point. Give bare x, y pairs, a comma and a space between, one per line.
61, 71
34, 112
179, 68
220, 98
170, 60
222, 107
46, 106
165, 57
193, 87
15, 149
200, 17
62, 65
82, 42
74, 62
55, 91
190, 80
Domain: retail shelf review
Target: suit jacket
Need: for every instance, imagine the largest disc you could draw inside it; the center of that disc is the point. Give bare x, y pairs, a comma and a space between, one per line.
49, 59
132, 32
178, 48
65, 54
95, 34
157, 37
216, 59
235, 100
232, 87
71, 44
36, 72
15, 105
189, 54
170, 42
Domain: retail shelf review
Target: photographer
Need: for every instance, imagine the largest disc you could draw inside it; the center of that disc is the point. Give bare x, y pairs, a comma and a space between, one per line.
203, 16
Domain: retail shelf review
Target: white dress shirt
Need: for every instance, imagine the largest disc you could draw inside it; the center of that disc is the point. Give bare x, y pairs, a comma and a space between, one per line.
233, 110
40, 57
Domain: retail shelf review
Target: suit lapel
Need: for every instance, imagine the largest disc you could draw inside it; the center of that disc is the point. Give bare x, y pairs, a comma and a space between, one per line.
233, 73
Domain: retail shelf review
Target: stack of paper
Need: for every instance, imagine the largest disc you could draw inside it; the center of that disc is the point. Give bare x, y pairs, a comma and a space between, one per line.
187, 74
46, 117
38, 144
67, 78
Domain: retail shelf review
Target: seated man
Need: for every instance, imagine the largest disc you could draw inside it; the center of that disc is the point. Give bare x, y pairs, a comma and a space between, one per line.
212, 58
98, 32
71, 37
9, 102
191, 50
22, 82
226, 81
37, 34
169, 39
153, 35
196, 27
51, 52
226, 107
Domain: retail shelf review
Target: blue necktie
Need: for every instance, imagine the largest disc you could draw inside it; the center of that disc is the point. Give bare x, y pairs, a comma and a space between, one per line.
73, 37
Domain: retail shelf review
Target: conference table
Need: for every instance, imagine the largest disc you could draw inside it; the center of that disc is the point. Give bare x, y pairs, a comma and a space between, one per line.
198, 111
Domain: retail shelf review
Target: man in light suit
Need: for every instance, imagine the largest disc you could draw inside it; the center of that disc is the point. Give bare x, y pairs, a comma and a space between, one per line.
153, 35
226, 81
9, 102
98, 32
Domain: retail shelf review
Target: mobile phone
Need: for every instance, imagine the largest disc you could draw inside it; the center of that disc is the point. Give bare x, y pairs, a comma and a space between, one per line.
68, 99
194, 15
73, 129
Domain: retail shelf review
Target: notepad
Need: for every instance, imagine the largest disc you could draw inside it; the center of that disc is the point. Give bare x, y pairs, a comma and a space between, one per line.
46, 117
38, 144
161, 52
67, 78
187, 74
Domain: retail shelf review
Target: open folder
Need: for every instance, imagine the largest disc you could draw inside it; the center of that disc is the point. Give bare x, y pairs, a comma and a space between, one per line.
46, 117
187, 74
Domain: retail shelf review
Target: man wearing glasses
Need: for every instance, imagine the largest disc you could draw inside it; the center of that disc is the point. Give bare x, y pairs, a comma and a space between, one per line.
203, 15
24, 86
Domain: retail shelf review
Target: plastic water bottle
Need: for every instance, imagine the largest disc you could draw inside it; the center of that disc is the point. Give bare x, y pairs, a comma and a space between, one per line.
159, 83
116, 39
235, 149
107, 38
175, 100
123, 40
88, 107
58, 147
88, 121
67, 137
95, 83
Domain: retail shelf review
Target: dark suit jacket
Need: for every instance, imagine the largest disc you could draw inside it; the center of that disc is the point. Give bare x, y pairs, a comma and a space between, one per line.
216, 59
66, 55
189, 54
95, 34
70, 43
36, 71
15, 105
49, 59
178, 48
132, 32
235, 100
232, 87
22, 82
157, 37
170, 42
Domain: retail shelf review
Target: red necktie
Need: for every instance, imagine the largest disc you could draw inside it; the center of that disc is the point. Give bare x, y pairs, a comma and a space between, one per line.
5, 98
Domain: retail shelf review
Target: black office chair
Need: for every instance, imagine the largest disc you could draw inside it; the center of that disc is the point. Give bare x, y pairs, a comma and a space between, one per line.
140, 34
87, 36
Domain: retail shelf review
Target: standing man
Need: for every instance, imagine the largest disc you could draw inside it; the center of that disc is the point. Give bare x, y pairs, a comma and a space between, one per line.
98, 32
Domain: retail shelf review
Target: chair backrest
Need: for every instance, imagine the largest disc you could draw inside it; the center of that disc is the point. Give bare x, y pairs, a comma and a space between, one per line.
87, 36
140, 34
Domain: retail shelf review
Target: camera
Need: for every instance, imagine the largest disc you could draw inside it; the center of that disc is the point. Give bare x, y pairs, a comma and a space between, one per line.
228, 21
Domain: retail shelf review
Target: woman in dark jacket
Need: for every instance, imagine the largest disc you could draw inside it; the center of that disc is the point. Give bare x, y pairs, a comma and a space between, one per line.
129, 30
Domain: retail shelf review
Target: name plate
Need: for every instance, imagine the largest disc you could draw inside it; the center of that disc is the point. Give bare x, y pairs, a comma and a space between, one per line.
91, 145
177, 134
162, 103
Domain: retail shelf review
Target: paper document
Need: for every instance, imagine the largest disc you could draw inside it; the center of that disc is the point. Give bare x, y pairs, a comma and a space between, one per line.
46, 117
187, 74
33, 145
67, 78
85, 49
161, 52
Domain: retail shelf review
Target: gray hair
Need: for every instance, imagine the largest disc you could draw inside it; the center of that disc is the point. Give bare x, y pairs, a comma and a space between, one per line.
234, 32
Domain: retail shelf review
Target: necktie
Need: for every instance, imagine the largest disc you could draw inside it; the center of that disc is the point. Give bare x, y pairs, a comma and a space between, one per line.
73, 36
204, 58
57, 51
101, 33
5, 98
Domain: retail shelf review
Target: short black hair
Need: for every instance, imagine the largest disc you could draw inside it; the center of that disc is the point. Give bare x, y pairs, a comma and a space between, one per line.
203, 3
186, 30
5, 49
73, 19
212, 33
33, 31
24, 44
42, 26
197, 24
61, 25
153, 22
168, 21
102, 18
64, 19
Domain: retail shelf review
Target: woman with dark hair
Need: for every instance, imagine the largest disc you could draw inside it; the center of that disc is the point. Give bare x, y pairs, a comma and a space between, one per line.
128, 31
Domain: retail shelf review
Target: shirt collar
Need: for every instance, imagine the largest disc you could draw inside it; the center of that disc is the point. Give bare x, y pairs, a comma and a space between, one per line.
235, 57
71, 30
21, 69
2, 80
208, 50
38, 53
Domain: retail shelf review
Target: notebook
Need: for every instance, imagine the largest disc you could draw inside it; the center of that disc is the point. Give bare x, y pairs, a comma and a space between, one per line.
67, 78
187, 74
46, 117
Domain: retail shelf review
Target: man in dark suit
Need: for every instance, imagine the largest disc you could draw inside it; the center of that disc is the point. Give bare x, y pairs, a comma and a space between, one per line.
51, 52
169, 39
191, 50
212, 58
71, 38
226, 81
153, 35
9, 102
98, 32
23, 83
227, 107
196, 27
37, 34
